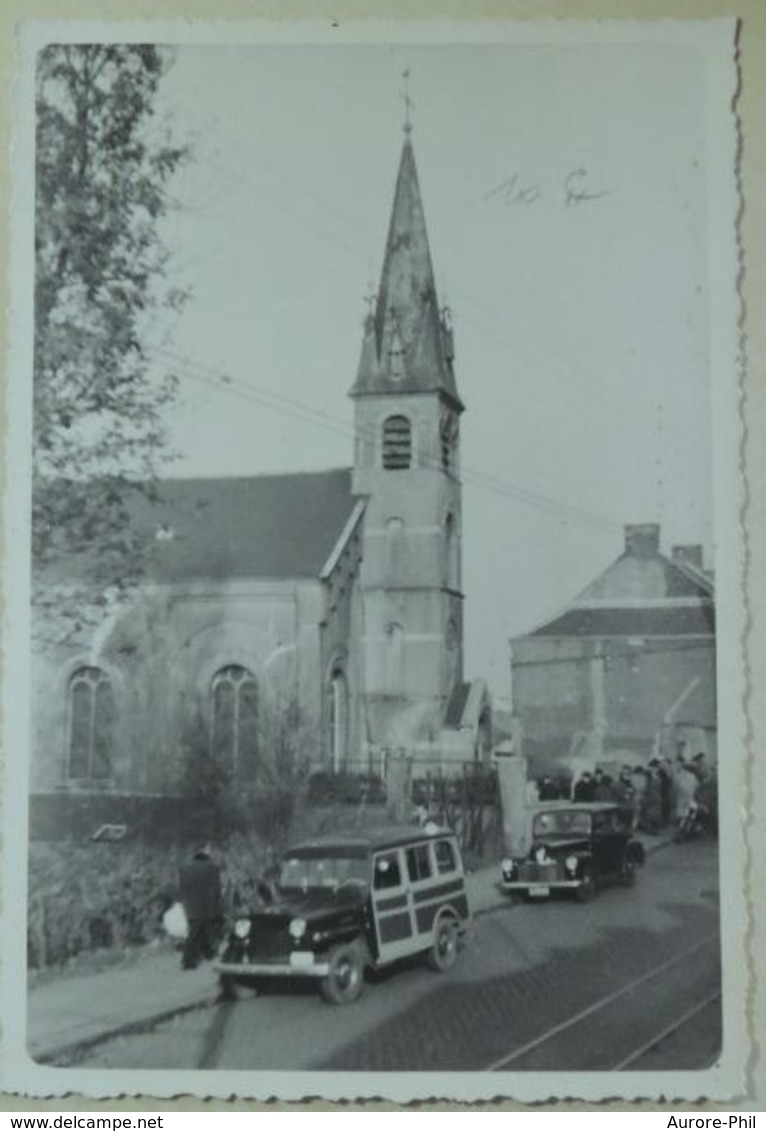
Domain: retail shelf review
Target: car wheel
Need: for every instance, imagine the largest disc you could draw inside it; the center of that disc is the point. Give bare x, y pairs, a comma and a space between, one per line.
443, 953
587, 889
345, 979
628, 872
227, 988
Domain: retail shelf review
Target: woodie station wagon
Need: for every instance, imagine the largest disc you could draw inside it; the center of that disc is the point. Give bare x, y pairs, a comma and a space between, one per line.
345, 904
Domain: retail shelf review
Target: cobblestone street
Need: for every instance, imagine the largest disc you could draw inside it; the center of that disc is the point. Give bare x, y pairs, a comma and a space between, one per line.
546, 986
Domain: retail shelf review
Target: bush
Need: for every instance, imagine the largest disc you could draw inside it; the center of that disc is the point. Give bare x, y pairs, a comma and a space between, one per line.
95, 896
99, 897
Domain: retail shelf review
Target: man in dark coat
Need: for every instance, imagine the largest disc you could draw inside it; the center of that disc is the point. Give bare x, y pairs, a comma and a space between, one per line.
585, 788
199, 884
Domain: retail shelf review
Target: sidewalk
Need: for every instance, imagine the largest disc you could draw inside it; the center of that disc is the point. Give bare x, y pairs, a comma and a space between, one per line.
78, 1010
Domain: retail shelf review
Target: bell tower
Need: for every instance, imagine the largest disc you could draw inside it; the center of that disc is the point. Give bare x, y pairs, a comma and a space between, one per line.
407, 465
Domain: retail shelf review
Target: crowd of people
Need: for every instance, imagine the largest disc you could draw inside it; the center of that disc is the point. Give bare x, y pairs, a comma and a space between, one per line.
661, 793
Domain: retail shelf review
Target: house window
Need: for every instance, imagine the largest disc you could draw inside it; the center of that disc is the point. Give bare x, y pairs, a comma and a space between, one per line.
397, 443
235, 718
91, 725
337, 717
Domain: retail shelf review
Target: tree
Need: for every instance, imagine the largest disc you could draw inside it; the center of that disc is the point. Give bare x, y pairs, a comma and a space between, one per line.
100, 289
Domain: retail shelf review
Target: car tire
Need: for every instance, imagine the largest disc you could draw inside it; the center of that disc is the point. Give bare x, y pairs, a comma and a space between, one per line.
628, 872
227, 988
443, 953
344, 981
588, 889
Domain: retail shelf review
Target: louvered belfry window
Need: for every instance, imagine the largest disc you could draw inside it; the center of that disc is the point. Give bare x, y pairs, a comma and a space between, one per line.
397, 443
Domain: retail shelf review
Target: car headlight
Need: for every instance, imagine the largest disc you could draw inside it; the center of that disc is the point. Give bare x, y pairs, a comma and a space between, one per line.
242, 928
297, 928
571, 863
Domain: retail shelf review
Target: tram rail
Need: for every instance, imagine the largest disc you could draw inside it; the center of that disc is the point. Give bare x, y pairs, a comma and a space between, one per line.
590, 1014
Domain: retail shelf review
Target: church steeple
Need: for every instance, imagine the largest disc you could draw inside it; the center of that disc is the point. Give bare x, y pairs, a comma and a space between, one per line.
407, 345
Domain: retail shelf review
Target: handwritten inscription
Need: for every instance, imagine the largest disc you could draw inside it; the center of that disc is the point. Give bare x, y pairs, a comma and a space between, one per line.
575, 189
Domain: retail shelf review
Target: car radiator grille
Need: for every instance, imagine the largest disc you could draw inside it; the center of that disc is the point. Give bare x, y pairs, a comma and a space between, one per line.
269, 946
539, 873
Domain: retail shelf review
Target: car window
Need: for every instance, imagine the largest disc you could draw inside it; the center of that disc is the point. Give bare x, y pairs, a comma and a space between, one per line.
612, 821
387, 873
566, 822
418, 862
318, 871
445, 857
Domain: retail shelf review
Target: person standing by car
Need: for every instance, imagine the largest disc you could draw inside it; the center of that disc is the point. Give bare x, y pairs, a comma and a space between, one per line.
624, 790
651, 810
199, 886
667, 789
604, 787
687, 784
585, 788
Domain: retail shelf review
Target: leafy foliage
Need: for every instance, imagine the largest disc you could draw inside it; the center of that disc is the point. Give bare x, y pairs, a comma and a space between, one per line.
100, 288
111, 897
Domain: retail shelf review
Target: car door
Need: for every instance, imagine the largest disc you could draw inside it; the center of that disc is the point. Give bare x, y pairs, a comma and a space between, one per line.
436, 875
392, 907
609, 841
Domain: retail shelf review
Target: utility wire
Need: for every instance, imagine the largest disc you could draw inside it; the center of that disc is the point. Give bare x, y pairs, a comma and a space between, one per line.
620, 405
277, 402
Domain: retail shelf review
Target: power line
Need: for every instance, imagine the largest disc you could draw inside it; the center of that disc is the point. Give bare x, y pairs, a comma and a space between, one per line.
277, 402
620, 404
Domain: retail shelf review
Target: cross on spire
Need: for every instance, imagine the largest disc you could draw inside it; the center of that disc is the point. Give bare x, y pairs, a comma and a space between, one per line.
408, 103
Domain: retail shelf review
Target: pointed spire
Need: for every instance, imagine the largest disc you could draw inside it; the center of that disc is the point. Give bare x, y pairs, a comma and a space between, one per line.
405, 340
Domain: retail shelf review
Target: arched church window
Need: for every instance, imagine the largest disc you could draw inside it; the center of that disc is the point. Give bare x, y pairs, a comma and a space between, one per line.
234, 731
91, 724
337, 717
397, 443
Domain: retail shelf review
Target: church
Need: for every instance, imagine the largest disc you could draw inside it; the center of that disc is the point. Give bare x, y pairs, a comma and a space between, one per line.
316, 616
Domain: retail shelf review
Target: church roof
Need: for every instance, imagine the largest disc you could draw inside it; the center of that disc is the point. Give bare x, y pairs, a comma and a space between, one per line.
407, 345
266, 526
278, 526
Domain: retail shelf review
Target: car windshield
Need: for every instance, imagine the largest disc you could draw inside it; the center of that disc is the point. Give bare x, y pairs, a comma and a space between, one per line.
328, 870
568, 822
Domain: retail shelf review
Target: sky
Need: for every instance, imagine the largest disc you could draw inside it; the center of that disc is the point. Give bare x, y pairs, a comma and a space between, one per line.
566, 200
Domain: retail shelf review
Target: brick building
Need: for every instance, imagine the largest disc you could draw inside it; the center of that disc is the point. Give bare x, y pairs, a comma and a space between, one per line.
626, 669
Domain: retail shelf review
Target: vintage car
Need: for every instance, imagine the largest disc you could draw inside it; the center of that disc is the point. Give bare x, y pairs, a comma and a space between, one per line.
575, 847
341, 905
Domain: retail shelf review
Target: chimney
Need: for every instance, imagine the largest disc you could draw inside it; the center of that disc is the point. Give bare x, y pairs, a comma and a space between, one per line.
688, 555
642, 539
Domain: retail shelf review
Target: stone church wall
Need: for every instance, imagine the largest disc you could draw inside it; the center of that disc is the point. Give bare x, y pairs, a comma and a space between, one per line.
160, 657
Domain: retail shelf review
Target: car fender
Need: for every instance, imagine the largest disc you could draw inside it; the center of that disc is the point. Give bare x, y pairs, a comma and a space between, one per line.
448, 911
584, 862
